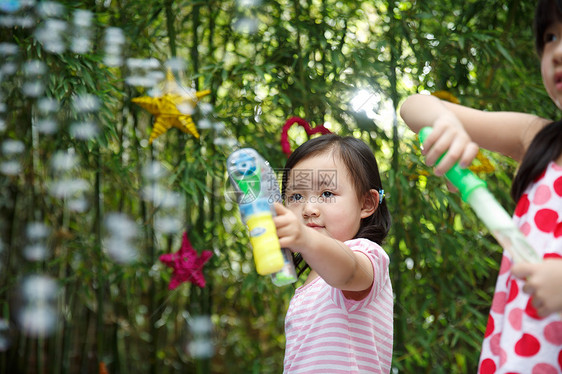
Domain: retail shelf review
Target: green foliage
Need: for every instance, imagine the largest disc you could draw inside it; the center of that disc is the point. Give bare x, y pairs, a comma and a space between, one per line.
304, 58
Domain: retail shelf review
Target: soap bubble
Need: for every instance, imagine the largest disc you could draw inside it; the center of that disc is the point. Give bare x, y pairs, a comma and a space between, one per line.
38, 320
186, 108
47, 126
85, 103
114, 40
78, 205
8, 49
119, 244
166, 224
37, 313
201, 325
10, 167
219, 126
162, 197
5, 340
206, 108
114, 36
246, 25
228, 142
81, 31
67, 187
34, 72
34, 68
64, 161
47, 105
119, 224
12, 147
37, 231
248, 3
176, 64
47, 9
35, 252
120, 250
50, 34
33, 89
82, 18
8, 68
200, 344
39, 289
154, 171
155, 76
84, 130
204, 124
143, 72
81, 44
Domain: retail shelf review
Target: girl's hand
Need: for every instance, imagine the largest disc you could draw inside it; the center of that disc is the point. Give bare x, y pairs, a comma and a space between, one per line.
449, 136
290, 230
544, 283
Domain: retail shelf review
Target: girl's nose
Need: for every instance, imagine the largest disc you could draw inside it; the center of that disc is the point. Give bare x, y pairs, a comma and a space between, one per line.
310, 209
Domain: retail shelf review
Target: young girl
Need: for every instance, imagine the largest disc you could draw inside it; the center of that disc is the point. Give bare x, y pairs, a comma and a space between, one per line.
335, 217
523, 334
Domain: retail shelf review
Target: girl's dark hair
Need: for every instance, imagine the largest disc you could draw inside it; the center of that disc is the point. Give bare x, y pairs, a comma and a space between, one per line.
362, 167
547, 12
546, 146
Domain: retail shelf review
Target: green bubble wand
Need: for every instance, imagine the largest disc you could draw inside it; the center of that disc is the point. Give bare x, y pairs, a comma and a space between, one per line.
473, 191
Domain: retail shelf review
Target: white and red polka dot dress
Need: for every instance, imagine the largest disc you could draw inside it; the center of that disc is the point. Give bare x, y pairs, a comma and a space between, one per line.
517, 340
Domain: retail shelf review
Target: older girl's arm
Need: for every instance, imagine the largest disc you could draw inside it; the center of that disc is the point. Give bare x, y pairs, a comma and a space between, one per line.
458, 129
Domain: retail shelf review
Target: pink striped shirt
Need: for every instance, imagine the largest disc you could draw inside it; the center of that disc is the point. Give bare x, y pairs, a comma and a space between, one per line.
327, 333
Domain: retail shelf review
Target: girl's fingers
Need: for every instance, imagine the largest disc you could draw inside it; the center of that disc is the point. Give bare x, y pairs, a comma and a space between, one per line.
448, 139
279, 208
522, 270
470, 152
456, 149
435, 145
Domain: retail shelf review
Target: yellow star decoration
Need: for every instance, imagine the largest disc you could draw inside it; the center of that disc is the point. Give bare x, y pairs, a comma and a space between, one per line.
165, 108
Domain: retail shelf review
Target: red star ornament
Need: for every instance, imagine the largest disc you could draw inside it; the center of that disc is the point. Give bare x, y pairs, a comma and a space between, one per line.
186, 265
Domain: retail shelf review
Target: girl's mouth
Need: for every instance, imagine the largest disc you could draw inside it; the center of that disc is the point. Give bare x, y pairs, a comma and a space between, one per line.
314, 226
558, 80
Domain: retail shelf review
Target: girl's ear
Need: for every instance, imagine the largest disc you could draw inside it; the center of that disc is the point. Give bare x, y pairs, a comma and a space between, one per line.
370, 203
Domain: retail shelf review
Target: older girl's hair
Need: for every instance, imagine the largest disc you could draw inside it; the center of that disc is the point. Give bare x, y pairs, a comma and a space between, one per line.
546, 146
547, 12
364, 171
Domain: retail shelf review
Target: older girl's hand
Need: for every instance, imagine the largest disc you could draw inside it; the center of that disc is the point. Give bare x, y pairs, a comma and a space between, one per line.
544, 282
448, 136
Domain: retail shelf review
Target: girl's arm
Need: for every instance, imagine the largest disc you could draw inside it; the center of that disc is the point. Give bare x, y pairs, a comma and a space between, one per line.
459, 130
334, 261
544, 282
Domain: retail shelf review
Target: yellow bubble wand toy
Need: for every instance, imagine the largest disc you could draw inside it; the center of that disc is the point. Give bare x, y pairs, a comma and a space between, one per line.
256, 190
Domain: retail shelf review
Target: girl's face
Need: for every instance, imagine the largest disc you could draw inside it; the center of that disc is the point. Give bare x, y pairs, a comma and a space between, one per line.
320, 191
551, 63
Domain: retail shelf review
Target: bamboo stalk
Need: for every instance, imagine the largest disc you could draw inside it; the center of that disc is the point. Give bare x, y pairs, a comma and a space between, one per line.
396, 201
99, 254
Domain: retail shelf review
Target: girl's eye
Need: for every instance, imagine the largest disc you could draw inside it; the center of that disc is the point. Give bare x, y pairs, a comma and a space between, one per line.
295, 198
549, 37
327, 194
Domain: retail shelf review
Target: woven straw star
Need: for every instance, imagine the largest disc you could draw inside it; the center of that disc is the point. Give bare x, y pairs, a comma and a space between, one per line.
165, 108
